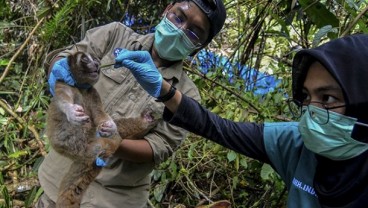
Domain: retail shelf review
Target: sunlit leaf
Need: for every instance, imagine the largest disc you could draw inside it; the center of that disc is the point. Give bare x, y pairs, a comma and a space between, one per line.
2, 111
4, 62
3, 121
18, 154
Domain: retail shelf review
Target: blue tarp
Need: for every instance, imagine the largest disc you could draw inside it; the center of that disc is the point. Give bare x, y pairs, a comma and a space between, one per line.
258, 82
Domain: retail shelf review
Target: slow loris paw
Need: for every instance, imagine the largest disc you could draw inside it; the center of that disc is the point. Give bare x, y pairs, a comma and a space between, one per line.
107, 128
149, 117
75, 114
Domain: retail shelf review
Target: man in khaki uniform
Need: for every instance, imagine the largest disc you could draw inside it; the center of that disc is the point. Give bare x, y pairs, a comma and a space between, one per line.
186, 27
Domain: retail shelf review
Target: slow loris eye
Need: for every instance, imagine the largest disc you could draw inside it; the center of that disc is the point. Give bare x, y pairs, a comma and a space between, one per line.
85, 59
95, 60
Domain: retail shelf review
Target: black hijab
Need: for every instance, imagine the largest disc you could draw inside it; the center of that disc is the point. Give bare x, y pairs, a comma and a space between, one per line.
341, 183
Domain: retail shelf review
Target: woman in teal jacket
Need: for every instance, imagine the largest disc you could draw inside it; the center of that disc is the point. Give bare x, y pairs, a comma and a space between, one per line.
323, 158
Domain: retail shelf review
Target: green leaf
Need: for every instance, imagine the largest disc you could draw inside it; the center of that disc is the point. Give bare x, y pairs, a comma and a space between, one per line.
322, 32
190, 151
3, 121
4, 192
216, 109
173, 169
4, 62
18, 154
31, 197
156, 174
159, 191
244, 163
2, 111
352, 4
266, 171
318, 13
1, 179
231, 156
235, 181
277, 98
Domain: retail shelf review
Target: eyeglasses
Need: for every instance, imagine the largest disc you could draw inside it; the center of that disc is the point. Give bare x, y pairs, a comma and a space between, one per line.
298, 108
178, 22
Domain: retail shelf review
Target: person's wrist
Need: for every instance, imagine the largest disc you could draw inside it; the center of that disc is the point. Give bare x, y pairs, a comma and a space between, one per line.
165, 88
168, 95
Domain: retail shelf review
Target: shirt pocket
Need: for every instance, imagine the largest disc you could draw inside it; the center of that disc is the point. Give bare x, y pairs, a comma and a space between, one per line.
118, 75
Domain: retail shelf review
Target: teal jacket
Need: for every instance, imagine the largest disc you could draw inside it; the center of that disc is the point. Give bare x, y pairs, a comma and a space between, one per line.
292, 161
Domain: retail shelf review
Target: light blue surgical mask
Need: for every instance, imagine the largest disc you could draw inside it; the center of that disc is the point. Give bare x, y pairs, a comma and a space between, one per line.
333, 139
171, 42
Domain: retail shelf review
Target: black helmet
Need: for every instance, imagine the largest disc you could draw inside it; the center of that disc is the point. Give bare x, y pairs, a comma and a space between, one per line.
216, 13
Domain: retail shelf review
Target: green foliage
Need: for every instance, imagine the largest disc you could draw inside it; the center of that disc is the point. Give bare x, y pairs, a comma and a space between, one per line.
4, 193
4, 9
263, 35
57, 27
323, 31
25, 97
318, 13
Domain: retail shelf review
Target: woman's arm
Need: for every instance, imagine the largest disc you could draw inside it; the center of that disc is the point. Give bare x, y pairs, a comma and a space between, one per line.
182, 111
243, 137
173, 103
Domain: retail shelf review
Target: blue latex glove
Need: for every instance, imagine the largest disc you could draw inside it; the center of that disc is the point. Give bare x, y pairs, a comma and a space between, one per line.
60, 71
100, 162
142, 67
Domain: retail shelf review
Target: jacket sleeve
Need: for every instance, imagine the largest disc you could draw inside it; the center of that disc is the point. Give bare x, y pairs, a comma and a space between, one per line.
243, 137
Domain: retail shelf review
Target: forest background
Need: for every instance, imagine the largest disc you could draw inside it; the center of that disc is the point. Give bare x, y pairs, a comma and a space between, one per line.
262, 35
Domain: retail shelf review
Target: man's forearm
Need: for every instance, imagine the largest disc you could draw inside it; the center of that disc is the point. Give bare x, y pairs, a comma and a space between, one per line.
135, 150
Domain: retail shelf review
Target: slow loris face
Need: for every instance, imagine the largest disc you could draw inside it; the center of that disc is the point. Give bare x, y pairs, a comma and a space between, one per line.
84, 67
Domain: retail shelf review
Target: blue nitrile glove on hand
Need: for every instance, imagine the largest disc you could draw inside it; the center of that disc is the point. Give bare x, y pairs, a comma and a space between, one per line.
60, 71
100, 162
142, 67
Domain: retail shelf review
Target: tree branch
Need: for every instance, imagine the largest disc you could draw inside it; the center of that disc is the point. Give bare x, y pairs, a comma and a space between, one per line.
20, 49
354, 22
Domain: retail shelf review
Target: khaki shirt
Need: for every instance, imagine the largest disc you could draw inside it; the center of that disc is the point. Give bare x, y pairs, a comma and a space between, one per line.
125, 184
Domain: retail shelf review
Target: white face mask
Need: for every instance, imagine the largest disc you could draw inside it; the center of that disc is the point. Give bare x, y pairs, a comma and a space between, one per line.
333, 139
171, 42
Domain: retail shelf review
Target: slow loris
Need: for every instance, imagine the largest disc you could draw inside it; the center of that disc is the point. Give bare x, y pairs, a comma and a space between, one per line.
78, 128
